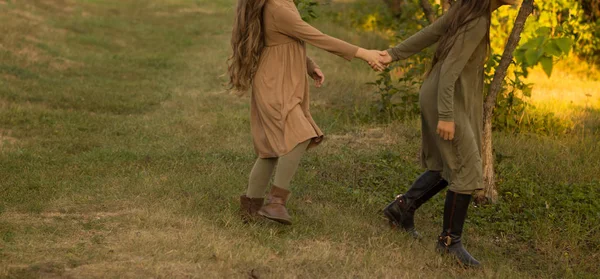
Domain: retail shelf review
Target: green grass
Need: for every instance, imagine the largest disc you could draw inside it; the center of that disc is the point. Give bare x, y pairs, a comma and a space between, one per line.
121, 155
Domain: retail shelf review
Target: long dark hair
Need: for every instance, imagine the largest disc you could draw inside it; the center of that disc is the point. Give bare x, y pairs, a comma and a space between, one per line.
461, 13
247, 43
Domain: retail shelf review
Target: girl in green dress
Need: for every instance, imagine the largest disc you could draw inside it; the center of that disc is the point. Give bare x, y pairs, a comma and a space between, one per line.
451, 101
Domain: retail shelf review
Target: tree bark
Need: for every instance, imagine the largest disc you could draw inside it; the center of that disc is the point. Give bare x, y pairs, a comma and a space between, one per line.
428, 10
490, 194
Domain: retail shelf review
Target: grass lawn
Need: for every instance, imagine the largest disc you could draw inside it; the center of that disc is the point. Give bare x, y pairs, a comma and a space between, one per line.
122, 156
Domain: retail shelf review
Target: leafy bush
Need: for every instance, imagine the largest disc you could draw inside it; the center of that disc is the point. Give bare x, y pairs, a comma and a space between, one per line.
513, 112
400, 100
562, 18
307, 9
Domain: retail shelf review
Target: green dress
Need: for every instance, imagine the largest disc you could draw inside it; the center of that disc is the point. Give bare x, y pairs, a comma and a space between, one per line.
453, 91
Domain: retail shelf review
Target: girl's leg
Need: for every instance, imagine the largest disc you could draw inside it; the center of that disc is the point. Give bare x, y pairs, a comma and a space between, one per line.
286, 168
458, 199
260, 176
257, 184
450, 240
288, 165
400, 212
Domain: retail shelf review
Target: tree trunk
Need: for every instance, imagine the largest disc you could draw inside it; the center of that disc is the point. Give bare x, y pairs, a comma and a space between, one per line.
428, 10
490, 194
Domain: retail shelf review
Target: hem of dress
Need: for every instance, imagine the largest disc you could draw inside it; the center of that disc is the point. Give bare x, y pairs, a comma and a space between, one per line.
465, 188
432, 169
465, 191
314, 142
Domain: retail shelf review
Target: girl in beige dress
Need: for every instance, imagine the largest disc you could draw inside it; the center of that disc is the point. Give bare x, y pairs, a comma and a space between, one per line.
269, 57
451, 100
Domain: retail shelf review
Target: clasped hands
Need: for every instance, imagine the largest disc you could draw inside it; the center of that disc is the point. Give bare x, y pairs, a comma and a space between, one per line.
377, 59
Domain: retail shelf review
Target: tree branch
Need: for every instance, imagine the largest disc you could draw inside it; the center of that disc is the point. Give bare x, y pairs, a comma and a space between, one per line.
490, 194
507, 56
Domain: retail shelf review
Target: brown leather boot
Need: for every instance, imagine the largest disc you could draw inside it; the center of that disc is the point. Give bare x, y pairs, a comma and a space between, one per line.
249, 207
275, 207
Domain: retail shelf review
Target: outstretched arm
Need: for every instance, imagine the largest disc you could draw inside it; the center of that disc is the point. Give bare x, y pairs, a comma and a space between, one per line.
289, 22
419, 41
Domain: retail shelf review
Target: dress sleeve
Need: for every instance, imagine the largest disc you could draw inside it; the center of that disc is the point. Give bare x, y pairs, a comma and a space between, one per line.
311, 66
468, 39
289, 22
421, 40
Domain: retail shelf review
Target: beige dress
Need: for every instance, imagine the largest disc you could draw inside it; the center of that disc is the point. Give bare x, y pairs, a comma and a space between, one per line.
280, 115
453, 91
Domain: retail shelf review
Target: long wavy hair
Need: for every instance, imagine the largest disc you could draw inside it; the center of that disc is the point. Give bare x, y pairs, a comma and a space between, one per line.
247, 43
461, 13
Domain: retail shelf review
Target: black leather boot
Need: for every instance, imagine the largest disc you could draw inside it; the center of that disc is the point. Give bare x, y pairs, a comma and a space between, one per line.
449, 241
401, 211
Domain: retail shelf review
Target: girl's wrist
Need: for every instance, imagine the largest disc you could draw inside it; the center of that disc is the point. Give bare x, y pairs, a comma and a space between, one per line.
360, 53
390, 53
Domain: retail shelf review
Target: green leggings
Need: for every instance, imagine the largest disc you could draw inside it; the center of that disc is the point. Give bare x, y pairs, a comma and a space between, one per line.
263, 170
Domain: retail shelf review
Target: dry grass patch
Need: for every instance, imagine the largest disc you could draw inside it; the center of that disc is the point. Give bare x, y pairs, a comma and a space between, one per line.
9, 77
63, 6
28, 35
366, 137
28, 16
160, 243
196, 10
6, 141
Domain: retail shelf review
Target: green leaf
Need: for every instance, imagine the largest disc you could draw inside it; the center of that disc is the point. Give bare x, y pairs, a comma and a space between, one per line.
564, 44
532, 56
512, 123
529, 44
539, 41
519, 56
552, 48
501, 117
547, 65
535, 42
543, 31
527, 91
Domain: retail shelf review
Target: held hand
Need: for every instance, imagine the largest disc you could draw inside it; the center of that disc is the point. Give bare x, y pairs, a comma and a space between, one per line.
374, 66
384, 57
319, 77
372, 57
446, 130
